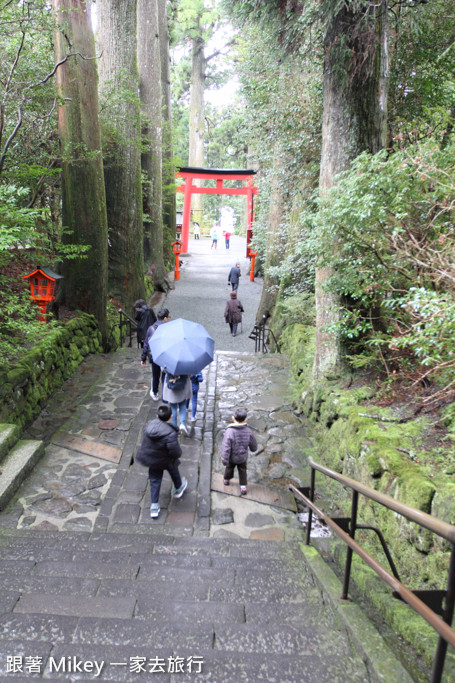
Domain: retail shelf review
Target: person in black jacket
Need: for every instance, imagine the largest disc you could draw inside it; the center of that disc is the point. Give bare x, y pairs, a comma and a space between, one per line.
145, 317
234, 277
163, 317
159, 451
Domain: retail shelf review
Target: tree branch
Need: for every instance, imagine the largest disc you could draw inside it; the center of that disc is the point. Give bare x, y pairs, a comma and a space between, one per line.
10, 139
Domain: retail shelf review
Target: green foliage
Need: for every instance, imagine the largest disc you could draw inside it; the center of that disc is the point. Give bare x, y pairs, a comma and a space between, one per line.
422, 77
392, 219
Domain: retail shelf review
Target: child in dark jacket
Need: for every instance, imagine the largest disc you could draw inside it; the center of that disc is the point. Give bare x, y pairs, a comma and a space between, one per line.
237, 439
160, 450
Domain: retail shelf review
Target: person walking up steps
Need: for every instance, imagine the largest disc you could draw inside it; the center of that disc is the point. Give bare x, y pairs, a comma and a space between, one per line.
159, 451
237, 439
233, 312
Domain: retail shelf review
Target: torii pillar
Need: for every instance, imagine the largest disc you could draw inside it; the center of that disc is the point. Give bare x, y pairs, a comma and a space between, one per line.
219, 175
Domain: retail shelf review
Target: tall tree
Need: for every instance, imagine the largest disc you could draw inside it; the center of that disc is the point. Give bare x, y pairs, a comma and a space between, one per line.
354, 120
355, 76
83, 195
119, 81
169, 203
197, 21
150, 92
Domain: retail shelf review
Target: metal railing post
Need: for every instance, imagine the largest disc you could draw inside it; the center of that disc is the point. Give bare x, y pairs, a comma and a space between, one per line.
438, 665
310, 511
352, 528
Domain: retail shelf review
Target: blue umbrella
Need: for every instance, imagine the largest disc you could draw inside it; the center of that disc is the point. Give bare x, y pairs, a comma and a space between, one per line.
182, 347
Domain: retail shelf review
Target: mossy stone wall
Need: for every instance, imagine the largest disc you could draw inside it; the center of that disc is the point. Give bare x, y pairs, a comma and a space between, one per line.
371, 444
26, 386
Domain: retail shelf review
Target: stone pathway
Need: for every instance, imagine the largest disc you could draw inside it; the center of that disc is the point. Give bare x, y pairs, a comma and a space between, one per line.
219, 587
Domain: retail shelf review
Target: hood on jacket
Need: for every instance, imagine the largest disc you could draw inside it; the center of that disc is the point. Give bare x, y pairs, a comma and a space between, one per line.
156, 429
236, 425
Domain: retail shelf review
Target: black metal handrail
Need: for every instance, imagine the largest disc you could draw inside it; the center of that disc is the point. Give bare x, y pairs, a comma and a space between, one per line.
259, 334
127, 323
420, 601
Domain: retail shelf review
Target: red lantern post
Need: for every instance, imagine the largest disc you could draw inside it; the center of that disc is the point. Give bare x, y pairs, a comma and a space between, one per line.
252, 255
42, 287
177, 248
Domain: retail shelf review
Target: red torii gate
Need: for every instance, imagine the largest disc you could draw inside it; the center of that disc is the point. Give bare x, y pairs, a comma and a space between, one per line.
188, 188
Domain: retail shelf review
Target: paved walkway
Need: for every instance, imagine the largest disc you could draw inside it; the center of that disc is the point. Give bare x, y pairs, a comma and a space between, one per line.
85, 573
93, 425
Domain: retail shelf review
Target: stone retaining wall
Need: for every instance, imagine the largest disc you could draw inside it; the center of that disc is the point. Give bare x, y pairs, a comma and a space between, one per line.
26, 386
389, 453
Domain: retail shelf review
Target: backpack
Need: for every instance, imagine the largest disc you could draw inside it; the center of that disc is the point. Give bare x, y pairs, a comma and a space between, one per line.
175, 382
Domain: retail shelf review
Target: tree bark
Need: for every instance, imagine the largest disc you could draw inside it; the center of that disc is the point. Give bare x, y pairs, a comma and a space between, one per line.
197, 119
83, 196
354, 120
149, 65
275, 249
169, 201
119, 83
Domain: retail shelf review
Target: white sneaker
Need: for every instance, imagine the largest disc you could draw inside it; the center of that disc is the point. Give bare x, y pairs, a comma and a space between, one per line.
178, 493
154, 510
193, 419
154, 396
183, 429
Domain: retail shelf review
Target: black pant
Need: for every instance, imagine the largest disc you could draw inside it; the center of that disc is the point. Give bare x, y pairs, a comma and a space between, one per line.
229, 472
156, 374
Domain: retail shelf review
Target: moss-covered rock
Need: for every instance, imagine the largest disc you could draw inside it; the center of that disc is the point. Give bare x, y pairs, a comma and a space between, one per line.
28, 385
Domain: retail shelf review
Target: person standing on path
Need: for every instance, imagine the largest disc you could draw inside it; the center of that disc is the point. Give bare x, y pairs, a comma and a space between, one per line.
177, 391
227, 239
196, 230
233, 312
163, 317
237, 439
234, 277
159, 451
145, 317
214, 236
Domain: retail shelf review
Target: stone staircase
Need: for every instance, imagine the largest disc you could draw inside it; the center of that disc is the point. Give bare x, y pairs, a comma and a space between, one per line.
17, 458
173, 608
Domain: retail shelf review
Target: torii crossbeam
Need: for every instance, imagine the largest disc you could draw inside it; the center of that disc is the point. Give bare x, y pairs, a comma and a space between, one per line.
219, 175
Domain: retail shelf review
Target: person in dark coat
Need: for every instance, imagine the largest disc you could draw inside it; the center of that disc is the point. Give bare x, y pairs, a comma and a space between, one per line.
233, 312
233, 277
163, 317
237, 439
159, 451
145, 317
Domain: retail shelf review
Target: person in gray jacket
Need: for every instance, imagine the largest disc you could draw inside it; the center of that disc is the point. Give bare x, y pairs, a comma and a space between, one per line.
177, 390
159, 451
237, 439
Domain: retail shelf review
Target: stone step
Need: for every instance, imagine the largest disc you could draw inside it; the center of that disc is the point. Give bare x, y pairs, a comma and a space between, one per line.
16, 466
9, 435
247, 610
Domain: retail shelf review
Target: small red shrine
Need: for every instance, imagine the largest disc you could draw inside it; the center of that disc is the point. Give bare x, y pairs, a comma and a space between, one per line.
42, 287
189, 174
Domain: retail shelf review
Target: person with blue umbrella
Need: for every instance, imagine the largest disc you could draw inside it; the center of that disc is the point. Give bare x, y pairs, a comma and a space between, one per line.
183, 348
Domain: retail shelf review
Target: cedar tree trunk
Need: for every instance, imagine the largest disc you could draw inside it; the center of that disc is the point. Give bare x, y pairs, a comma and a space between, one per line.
149, 65
83, 195
354, 120
119, 83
